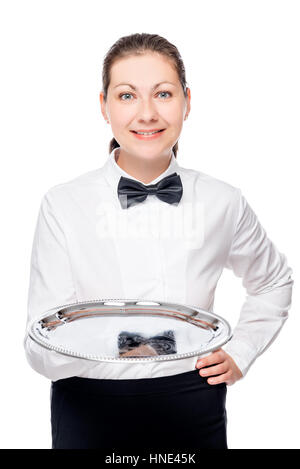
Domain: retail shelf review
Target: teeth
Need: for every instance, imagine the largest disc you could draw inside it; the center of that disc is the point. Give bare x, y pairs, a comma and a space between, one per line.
148, 133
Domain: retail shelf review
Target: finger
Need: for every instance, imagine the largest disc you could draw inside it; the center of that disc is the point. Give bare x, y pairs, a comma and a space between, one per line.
218, 379
214, 370
212, 359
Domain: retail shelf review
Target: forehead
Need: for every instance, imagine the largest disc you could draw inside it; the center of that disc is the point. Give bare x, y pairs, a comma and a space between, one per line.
143, 70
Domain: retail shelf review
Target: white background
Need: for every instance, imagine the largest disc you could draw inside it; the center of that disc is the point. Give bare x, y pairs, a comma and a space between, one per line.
242, 66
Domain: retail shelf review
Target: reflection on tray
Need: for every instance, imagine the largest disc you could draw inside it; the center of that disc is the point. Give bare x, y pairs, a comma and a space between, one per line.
134, 344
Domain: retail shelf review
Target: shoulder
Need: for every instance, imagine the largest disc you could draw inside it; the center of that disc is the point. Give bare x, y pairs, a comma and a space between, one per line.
75, 186
208, 184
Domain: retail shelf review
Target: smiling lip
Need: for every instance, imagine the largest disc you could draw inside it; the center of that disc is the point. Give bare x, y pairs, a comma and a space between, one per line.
148, 137
146, 130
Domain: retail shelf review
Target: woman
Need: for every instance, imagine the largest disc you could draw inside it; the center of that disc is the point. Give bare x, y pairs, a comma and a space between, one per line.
81, 253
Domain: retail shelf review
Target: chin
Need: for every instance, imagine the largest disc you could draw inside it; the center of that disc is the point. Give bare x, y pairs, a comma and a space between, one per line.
148, 148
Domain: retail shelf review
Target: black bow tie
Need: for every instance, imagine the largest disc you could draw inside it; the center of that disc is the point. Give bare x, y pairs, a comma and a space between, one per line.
131, 192
163, 343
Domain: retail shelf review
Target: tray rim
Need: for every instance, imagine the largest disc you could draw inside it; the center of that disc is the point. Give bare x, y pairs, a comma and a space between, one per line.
157, 358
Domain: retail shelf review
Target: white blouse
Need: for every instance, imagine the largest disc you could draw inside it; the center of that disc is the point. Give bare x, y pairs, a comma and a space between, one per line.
87, 247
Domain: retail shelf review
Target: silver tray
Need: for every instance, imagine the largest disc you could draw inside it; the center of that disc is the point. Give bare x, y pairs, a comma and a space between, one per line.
130, 330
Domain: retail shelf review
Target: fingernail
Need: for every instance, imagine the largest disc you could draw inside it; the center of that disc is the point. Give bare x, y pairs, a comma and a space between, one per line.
200, 363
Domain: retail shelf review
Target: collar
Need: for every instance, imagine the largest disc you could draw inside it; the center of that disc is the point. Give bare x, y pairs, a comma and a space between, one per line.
113, 172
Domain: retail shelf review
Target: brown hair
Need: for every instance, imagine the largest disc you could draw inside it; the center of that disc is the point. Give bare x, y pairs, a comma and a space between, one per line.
137, 44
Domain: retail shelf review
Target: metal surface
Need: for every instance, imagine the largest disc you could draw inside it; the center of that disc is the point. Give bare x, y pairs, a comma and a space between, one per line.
130, 330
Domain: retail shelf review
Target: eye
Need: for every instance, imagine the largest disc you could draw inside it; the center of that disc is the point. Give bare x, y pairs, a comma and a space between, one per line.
165, 92
125, 94
129, 94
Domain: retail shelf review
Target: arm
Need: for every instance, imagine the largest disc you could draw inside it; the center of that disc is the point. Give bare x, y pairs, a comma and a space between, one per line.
268, 283
51, 284
267, 280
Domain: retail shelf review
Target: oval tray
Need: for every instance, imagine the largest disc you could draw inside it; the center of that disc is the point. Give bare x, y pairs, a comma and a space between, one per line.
131, 330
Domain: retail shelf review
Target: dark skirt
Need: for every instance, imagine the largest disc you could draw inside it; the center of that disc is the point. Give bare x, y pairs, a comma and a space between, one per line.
179, 412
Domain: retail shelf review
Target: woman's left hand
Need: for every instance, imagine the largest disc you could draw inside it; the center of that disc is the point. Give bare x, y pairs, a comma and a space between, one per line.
225, 368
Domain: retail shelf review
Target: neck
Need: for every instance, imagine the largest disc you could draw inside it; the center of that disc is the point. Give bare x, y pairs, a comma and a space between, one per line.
142, 169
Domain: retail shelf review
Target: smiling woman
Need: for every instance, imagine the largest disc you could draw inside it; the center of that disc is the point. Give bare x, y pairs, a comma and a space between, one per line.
182, 228
146, 100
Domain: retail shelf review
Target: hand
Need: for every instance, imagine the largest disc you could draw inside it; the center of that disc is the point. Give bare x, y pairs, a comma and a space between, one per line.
226, 368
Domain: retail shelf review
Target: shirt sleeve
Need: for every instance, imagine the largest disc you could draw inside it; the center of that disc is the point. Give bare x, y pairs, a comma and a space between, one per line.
266, 277
50, 285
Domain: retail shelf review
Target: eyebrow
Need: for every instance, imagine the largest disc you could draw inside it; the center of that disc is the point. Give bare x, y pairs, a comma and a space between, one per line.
154, 87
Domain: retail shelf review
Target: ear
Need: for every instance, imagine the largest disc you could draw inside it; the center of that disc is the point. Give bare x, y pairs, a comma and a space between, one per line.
103, 106
188, 101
